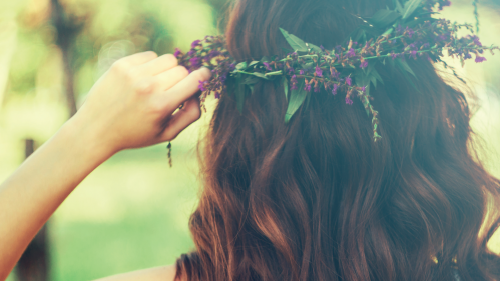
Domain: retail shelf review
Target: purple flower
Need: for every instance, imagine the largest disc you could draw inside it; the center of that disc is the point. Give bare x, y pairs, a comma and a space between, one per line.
217, 95
291, 71
399, 28
319, 71
268, 66
335, 88
363, 89
394, 55
308, 87
223, 78
467, 56
476, 41
201, 85
302, 72
426, 45
322, 48
335, 73
195, 62
294, 82
213, 53
364, 64
351, 53
348, 101
195, 43
480, 59
414, 54
348, 81
177, 52
444, 4
409, 31
191, 52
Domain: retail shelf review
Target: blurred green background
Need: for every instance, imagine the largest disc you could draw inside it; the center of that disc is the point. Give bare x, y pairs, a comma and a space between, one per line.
131, 213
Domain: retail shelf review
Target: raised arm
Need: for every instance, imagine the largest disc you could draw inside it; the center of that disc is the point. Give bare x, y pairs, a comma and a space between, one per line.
131, 106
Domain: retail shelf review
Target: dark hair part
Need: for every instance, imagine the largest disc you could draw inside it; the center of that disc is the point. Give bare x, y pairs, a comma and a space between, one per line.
317, 199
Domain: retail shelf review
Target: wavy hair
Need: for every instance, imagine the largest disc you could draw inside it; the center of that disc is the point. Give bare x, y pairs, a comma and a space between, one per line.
317, 199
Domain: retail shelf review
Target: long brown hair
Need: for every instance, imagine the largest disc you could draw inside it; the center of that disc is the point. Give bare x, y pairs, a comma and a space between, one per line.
317, 199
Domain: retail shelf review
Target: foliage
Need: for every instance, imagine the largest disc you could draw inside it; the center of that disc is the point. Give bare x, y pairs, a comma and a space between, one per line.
388, 37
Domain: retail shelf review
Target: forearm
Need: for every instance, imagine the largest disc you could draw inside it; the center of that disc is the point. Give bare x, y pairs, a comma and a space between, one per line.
32, 194
128, 107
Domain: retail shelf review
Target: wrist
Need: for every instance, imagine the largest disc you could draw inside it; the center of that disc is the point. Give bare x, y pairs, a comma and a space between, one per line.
85, 139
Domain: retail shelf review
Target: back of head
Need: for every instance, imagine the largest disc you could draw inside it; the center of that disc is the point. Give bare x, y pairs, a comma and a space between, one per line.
318, 199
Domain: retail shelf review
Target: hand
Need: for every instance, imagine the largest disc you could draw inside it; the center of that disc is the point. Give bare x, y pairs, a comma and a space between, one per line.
132, 104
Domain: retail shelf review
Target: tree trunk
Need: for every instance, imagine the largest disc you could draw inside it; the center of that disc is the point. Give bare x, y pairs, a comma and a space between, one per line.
67, 28
69, 82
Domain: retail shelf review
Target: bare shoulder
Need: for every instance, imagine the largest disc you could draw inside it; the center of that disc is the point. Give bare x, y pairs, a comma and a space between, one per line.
162, 273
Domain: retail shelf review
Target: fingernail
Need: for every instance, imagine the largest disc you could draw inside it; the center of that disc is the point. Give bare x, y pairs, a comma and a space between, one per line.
205, 71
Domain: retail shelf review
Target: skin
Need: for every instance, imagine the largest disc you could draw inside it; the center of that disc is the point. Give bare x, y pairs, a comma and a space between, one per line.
132, 105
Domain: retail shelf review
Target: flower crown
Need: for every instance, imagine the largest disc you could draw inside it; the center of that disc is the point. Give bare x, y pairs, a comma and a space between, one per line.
389, 37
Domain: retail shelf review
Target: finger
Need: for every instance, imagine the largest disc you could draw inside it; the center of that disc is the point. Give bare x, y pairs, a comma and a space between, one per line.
183, 90
157, 65
189, 113
168, 79
139, 58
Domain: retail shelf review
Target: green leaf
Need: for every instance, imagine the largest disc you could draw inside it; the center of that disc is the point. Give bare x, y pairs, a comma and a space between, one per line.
398, 6
374, 74
253, 63
250, 80
284, 81
374, 81
367, 90
384, 18
260, 75
391, 62
295, 42
410, 7
287, 51
388, 31
408, 78
314, 48
362, 33
275, 73
241, 65
265, 59
239, 93
308, 65
296, 100
403, 65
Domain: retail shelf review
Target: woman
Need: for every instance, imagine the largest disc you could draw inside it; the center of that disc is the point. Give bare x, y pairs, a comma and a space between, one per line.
315, 199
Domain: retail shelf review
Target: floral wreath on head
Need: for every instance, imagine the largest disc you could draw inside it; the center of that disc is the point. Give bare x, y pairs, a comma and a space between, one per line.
389, 37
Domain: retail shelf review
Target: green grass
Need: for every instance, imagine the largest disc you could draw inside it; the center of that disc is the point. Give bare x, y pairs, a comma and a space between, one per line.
131, 213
